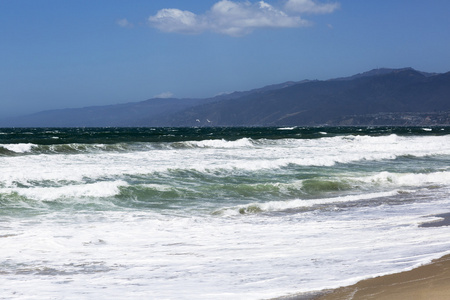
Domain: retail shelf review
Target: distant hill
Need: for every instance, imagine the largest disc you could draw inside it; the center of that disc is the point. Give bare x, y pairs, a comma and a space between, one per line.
382, 71
120, 115
377, 97
331, 102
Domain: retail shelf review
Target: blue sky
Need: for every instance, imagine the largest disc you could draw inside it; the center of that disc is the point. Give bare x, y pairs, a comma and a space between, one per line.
75, 53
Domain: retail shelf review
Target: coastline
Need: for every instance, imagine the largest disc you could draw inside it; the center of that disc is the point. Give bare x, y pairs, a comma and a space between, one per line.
428, 281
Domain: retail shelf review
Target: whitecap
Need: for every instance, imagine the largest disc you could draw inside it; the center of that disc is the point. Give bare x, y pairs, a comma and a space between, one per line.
19, 148
97, 190
287, 128
240, 143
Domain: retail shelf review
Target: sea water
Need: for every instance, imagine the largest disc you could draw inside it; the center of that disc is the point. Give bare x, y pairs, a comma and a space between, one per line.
216, 213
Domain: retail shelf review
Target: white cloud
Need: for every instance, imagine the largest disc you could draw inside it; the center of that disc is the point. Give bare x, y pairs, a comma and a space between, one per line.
175, 20
164, 95
240, 18
226, 17
124, 23
311, 6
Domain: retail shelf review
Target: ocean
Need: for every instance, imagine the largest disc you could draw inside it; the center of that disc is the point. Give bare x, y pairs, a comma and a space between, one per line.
216, 213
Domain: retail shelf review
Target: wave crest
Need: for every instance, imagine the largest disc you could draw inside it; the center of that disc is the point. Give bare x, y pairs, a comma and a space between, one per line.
300, 204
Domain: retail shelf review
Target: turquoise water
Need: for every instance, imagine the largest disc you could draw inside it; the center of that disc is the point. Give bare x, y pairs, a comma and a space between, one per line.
224, 213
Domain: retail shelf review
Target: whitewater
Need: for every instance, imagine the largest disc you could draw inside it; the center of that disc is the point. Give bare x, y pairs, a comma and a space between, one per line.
216, 213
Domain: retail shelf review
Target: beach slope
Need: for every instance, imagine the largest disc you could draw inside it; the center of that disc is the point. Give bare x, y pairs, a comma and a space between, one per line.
431, 281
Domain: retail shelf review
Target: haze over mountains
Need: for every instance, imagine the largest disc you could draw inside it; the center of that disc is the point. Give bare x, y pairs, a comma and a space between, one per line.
378, 97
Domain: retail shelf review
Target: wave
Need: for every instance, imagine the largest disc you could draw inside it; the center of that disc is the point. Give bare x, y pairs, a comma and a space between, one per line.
366, 147
16, 149
380, 180
76, 148
300, 204
409, 179
286, 128
267, 162
78, 191
30, 149
6, 152
314, 191
360, 146
196, 186
209, 197
216, 143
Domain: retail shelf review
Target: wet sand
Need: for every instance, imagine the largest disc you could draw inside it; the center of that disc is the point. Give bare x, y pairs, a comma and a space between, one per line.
427, 282
431, 281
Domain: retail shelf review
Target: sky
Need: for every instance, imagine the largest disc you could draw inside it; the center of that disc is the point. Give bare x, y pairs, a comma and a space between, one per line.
58, 54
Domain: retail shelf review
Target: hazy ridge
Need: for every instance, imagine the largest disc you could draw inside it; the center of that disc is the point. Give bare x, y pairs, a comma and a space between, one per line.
377, 97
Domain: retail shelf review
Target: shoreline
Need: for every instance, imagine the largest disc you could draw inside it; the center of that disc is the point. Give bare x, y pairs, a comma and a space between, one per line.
428, 281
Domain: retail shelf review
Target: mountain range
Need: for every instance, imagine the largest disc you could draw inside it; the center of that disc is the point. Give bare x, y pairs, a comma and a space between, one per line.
377, 97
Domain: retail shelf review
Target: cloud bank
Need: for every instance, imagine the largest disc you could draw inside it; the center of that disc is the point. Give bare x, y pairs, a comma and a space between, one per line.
239, 18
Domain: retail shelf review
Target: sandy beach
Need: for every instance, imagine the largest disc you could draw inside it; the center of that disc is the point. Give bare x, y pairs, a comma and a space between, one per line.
431, 281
